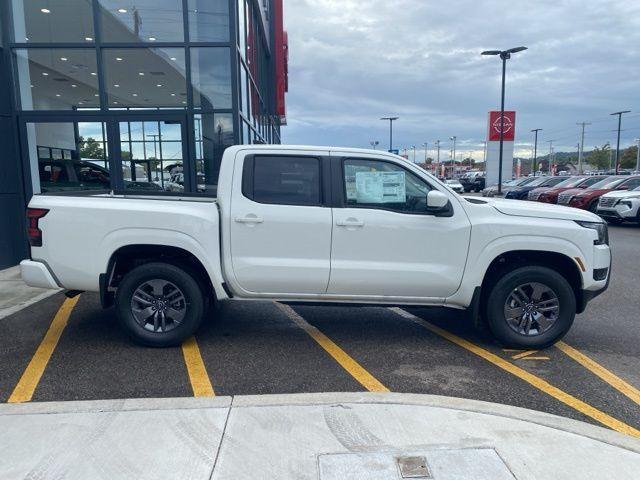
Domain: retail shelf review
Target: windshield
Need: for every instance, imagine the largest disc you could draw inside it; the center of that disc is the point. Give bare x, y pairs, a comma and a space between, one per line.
452, 182
571, 182
607, 183
552, 182
536, 182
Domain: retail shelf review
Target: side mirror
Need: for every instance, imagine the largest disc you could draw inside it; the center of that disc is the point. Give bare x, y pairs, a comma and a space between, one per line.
436, 200
623, 187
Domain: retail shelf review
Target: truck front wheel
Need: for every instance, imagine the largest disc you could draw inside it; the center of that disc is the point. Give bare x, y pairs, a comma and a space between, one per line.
530, 307
159, 304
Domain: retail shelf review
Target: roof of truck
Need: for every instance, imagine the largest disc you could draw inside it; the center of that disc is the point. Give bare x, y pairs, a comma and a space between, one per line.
315, 148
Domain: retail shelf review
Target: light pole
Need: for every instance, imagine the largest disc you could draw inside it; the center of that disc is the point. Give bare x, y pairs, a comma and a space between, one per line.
504, 55
391, 120
618, 144
550, 155
426, 148
414, 153
535, 150
374, 143
453, 156
437, 158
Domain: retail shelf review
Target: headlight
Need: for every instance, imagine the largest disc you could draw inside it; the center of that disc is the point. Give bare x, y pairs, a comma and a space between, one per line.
601, 228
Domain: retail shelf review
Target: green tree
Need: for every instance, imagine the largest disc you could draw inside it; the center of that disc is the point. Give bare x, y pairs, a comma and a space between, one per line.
628, 157
599, 157
90, 148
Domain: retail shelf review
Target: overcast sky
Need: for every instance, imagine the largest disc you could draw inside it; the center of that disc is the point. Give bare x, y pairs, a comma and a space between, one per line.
353, 61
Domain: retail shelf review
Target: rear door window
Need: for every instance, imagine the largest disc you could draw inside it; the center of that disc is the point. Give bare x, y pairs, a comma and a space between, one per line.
283, 180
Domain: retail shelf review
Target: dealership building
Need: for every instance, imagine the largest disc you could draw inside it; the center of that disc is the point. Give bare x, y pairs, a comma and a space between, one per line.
136, 97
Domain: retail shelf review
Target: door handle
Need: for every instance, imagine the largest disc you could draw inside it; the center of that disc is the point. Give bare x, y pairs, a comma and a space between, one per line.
249, 219
350, 222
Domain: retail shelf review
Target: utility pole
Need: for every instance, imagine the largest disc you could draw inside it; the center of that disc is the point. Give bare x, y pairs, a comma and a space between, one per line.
581, 151
438, 157
535, 150
414, 153
550, 154
618, 144
426, 148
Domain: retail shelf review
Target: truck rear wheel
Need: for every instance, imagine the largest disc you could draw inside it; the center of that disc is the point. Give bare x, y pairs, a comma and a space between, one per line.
159, 304
530, 307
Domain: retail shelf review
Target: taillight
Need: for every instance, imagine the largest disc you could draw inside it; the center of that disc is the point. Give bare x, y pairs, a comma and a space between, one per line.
33, 232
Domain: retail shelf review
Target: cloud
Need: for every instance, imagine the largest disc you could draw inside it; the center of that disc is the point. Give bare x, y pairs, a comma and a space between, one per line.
352, 62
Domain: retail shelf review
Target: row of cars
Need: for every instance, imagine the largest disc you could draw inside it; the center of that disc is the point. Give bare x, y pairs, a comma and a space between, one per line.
616, 198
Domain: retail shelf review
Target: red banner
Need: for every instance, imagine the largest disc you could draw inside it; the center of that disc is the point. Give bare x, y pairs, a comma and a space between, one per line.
509, 126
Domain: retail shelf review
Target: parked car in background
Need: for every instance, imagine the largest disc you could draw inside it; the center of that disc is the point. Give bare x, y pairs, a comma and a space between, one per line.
475, 181
521, 192
492, 191
620, 206
551, 195
587, 199
455, 185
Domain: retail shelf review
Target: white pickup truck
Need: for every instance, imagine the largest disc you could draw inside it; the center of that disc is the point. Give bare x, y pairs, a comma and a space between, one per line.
323, 225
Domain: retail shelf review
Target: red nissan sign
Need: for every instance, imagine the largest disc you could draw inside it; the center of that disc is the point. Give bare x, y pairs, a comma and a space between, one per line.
509, 126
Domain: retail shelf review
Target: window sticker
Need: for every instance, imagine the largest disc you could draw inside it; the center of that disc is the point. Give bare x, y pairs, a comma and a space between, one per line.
380, 187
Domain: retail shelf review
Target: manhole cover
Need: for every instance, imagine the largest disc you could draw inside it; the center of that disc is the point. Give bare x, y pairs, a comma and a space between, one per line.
413, 467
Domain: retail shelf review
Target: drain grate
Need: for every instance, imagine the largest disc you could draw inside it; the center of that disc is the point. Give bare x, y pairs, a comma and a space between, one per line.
413, 467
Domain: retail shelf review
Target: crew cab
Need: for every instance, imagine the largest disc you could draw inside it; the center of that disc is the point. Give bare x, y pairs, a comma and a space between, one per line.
321, 225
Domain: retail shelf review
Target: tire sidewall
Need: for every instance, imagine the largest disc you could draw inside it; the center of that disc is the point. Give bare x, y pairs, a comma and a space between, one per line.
179, 277
500, 291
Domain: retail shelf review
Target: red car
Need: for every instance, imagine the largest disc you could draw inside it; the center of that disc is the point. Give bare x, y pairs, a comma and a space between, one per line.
550, 195
587, 199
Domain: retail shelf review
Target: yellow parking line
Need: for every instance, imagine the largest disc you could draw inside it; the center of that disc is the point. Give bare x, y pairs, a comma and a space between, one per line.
616, 382
198, 376
23, 391
356, 370
533, 380
535, 358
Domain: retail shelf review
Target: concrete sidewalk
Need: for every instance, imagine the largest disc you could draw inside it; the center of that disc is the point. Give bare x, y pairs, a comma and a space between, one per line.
15, 294
305, 436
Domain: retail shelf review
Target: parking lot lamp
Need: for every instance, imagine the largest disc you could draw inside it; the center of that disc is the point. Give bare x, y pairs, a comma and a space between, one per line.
535, 150
391, 120
618, 144
504, 55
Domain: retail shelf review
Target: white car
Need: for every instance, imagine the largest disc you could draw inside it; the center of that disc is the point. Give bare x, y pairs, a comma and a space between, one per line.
620, 206
455, 185
320, 225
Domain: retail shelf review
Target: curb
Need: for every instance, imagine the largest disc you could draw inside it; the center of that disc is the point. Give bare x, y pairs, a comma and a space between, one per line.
555, 422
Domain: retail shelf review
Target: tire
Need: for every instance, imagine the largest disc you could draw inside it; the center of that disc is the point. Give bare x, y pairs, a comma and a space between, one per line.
172, 292
614, 221
477, 189
593, 206
540, 335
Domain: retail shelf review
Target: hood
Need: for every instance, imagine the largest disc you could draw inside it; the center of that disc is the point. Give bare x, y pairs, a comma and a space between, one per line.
541, 210
541, 189
589, 193
622, 194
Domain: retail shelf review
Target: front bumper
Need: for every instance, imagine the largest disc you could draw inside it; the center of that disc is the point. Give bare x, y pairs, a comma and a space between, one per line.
37, 274
618, 212
601, 261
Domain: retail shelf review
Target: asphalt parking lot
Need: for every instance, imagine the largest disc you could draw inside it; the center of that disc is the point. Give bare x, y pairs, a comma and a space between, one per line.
263, 347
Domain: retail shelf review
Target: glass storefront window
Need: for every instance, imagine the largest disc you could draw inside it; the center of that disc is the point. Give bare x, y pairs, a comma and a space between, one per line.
57, 78
141, 20
211, 77
38, 21
145, 77
152, 156
209, 20
213, 134
68, 156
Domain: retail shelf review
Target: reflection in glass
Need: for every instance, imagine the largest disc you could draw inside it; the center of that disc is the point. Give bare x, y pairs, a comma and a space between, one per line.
209, 20
57, 78
149, 162
35, 21
213, 134
211, 77
67, 156
145, 77
141, 20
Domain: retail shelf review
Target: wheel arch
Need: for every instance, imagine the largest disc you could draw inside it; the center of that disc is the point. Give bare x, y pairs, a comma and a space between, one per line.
127, 257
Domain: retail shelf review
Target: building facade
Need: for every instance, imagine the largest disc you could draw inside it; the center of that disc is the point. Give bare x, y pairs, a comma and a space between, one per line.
131, 96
